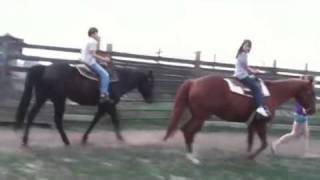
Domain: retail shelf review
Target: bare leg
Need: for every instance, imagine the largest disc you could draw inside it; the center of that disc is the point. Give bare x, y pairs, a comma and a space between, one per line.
295, 132
306, 137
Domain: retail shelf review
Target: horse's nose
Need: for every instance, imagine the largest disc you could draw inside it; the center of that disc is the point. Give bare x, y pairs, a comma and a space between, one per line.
311, 111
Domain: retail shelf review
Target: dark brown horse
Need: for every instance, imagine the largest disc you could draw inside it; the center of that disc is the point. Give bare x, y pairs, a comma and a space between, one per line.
59, 82
210, 95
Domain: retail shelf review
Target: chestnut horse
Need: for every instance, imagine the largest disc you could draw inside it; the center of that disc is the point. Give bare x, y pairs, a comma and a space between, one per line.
210, 95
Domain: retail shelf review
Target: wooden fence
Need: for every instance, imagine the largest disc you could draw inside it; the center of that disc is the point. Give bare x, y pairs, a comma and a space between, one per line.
169, 74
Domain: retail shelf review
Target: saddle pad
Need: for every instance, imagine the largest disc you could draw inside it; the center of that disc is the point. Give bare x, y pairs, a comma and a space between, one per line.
240, 89
85, 71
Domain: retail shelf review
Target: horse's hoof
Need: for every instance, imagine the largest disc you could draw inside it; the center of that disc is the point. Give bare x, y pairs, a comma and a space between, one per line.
273, 149
121, 139
84, 142
66, 143
17, 127
250, 157
193, 159
24, 144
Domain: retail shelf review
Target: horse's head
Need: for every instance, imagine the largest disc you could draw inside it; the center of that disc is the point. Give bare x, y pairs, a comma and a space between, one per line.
306, 96
145, 87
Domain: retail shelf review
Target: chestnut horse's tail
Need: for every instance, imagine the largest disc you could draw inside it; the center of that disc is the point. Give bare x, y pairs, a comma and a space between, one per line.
180, 104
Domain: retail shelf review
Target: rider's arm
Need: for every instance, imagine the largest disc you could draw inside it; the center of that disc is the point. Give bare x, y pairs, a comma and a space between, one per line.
94, 47
93, 50
242, 58
101, 58
253, 70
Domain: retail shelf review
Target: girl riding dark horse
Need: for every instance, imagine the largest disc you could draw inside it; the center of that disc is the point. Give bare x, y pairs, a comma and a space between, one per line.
210, 95
58, 82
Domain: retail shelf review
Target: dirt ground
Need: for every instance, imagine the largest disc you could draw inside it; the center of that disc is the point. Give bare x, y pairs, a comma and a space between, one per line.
223, 141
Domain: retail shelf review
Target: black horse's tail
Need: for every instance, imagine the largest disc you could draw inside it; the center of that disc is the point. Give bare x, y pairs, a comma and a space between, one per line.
33, 75
181, 102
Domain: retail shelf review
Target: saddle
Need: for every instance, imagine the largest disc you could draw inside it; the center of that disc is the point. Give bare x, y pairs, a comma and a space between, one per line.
237, 87
86, 72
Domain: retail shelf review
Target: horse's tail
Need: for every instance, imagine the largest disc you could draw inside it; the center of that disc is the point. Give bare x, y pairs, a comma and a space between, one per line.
180, 104
33, 75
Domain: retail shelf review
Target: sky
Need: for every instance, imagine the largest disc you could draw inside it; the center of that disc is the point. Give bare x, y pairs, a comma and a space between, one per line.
287, 31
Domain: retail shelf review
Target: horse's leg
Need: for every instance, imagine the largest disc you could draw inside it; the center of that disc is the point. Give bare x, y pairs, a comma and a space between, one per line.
59, 107
189, 130
251, 131
40, 99
115, 122
96, 118
261, 129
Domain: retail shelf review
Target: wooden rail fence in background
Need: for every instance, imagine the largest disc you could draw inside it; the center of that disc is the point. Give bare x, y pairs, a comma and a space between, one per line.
169, 74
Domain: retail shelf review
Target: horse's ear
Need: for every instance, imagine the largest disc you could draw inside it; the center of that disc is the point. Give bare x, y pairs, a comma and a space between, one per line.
308, 77
311, 81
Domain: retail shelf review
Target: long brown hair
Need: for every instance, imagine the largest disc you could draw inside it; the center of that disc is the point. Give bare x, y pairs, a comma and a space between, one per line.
240, 50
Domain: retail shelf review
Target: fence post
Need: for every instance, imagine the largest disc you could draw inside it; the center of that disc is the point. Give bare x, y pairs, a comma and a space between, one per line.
9, 45
214, 60
109, 47
306, 67
4, 61
113, 74
109, 50
158, 55
197, 69
274, 70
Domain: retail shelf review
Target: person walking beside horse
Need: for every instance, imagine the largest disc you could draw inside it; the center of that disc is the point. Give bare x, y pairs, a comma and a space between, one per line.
300, 127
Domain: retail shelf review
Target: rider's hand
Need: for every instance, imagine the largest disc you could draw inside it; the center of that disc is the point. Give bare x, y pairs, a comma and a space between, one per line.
107, 59
257, 71
252, 76
304, 110
98, 38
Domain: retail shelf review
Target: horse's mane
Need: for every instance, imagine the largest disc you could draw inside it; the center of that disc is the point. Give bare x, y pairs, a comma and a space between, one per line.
129, 71
284, 80
270, 83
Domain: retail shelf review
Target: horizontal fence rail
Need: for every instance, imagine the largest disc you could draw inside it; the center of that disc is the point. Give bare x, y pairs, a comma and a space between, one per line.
169, 74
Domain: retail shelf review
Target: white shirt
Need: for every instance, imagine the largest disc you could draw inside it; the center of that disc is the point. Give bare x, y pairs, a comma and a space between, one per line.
86, 56
241, 67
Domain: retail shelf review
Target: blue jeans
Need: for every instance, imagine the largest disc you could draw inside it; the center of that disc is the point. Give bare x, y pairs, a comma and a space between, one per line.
104, 78
253, 84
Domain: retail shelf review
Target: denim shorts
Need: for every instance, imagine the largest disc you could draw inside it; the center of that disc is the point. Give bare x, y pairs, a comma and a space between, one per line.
300, 118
